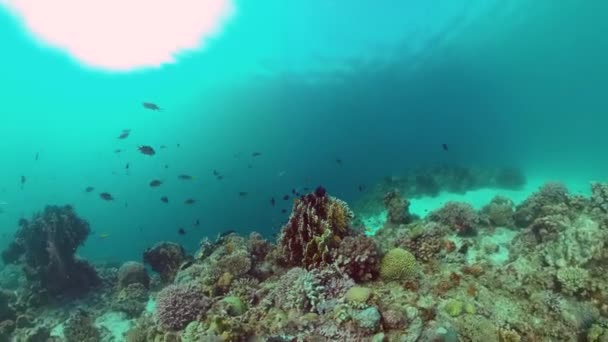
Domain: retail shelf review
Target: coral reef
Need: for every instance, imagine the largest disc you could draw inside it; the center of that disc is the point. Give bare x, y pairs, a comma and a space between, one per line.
542, 281
178, 305
461, 217
47, 244
80, 328
317, 224
397, 207
398, 264
358, 257
132, 272
165, 258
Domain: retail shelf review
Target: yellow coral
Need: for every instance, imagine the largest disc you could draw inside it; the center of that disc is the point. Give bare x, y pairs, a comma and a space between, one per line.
398, 264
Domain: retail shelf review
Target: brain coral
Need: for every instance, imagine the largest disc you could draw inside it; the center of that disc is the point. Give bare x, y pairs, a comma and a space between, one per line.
178, 305
398, 264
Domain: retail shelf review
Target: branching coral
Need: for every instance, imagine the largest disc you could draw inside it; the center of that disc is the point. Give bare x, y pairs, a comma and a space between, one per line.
165, 258
537, 205
79, 328
425, 243
48, 243
298, 290
576, 245
358, 257
599, 197
459, 216
317, 224
178, 305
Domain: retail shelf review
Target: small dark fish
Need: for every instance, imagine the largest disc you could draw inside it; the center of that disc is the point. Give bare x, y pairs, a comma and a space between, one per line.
126, 166
166, 166
256, 154
23, 180
151, 106
164, 199
163, 147
36, 158
147, 150
124, 134
242, 193
220, 177
190, 201
361, 187
298, 194
272, 201
155, 183
197, 223
215, 173
117, 150
181, 231
285, 198
444, 146
185, 177
106, 196
293, 191
339, 161
283, 211
178, 145
89, 189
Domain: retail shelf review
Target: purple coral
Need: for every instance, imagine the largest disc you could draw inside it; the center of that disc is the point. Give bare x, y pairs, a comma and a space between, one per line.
317, 222
165, 258
459, 216
178, 305
358, 257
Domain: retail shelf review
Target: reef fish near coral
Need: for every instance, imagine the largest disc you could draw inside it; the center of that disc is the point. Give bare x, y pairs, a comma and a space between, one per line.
155, 183
151, 106
106, 196
147, 150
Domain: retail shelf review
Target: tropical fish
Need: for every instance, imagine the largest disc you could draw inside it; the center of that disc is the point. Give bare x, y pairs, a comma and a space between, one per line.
197, 223
36, 158
190, 201
272, 201
339, 161
164, 199
242, 193
256, 154
181, 231
23, 180
147, 150
125, 134
104, 235
444, 146
89, 189
155, 183
106, 196
285, 198
151, 106
185, 177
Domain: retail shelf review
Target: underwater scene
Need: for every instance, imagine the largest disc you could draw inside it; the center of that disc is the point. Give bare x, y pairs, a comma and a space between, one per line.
318, 170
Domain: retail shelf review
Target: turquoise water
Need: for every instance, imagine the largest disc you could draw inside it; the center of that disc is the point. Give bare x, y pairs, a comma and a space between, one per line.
377, 85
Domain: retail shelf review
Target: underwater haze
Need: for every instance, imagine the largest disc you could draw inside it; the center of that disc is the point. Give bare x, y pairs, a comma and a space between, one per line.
335, 93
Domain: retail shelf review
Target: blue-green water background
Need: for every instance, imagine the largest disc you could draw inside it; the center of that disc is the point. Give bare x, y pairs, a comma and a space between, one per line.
379, 84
